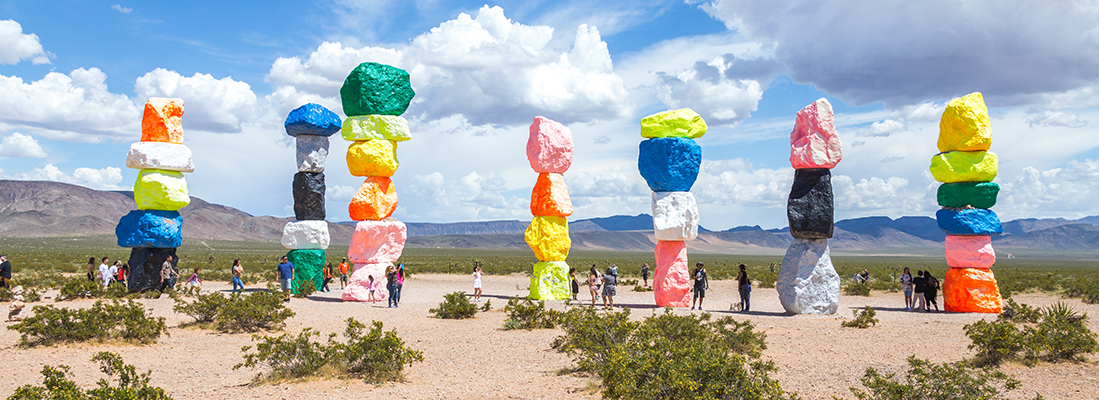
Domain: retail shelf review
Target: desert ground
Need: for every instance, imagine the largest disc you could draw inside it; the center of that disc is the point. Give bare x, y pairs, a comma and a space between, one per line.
468, 359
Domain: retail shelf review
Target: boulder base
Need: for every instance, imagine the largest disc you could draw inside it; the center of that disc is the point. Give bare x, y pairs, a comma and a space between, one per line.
807, 282
550, 281
160, 190
312, 152
550, 196
968, 194
675, 216
373, 88
312, 119
375, 242
376, 127
145, 263
549, 238
308, 267
669, 164
965, 125
298, 235
810, 208
309, 196
162, 120
970, 251
375, 201
150, 228
549, 147
814, 142
683, 123
372, 158
968, 221
964, 166
357, 288
160, 155
971, 290
671, 279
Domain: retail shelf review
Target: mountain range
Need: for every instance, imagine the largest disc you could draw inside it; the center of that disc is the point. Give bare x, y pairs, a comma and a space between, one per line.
53, 209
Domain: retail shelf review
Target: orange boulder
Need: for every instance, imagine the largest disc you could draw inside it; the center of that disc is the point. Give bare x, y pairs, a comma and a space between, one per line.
550, 196
971, 290
375, 201
162, 121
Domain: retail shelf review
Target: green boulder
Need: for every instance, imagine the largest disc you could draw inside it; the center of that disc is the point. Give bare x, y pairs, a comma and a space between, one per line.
962, 194
308, 266
374, 88
550, 281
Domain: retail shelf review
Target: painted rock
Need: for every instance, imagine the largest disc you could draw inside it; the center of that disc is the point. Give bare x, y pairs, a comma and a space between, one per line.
162, 120
965, 125
375, 201
358, 284
669, 164
312, 119
375, 242
297, 235
160, 155
145, 264
373, 88
810, 207
309, 196
971, 194
550, 197
671, 280
549, 147
807, 282
549, 238
968, 221
308, 267
972, 290
160, 190
964, 166
312, 152
970, 251
550, 281
683, 123
150, 228
675, 216
372, 158
814, 142
376, 127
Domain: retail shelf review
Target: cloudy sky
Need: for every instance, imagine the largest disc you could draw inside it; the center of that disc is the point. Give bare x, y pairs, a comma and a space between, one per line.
75, 75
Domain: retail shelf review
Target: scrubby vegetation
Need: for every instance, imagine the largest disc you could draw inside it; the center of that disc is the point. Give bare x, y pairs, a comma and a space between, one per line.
305, 289
925, 380
1058, 333
118, 320
455, 306
56, 383
261, 310
862, 319
527, 314
857, 289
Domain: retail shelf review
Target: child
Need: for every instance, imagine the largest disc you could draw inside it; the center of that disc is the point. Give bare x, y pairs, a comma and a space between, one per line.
371, 286
194, 279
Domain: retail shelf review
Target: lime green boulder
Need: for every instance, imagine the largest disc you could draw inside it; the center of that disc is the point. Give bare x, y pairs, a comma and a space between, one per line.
374, 88
964, 166
158, 189
308, 266
968, 194
550, 281
682, 123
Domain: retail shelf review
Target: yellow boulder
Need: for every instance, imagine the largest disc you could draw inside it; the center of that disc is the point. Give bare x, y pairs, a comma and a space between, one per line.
372, 158
964, 166
965, 125
157, 189
684, 123
549, 238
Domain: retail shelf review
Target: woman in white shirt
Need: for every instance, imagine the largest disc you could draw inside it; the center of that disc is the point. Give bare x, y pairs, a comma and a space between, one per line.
477, 283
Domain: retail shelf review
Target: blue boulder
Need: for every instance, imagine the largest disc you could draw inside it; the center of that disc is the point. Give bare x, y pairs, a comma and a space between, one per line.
150, 228
669, 164
312, 119
969, 221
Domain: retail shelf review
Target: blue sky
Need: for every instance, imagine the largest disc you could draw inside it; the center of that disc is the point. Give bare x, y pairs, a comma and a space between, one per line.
74, 76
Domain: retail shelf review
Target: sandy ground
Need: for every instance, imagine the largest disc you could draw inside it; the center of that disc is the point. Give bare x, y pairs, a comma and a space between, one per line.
466, 359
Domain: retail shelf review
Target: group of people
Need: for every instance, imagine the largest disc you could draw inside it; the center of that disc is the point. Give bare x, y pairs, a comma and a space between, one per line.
919, 291
394, 275
108, 273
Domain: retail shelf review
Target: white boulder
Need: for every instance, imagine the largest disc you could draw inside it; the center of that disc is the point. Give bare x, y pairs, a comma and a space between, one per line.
297, 235
807, 282
312, 152
160, 155
675, 216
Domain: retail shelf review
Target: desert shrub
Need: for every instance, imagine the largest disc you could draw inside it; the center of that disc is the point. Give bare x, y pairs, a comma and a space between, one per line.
1016, 312
305, 289
40, 279
204, 309
288, 356
1060, 334
118, 320
261, 310
487, 306
766, 279
30, 294
455, 306
627, 282
928, 381
862, 319
1082, 288
857, 289
890, 286
640, 288
527, 314
375, 356
56, 385
994, 341
79, 288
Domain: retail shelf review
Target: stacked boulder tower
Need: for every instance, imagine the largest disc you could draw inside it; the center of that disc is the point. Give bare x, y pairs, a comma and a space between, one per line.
549, 151
807, 282
966, 169
154, 230
669, 160
374, 96
307, 236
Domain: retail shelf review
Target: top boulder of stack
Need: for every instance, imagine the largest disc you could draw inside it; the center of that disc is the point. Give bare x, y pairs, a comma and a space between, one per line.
549, 146
374, 88
162, 120
965, 125
312, 119
684, 123
814, 142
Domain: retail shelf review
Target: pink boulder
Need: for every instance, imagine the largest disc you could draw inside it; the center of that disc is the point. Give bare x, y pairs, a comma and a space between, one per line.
814, 142
358, 284
671, 282
377, 242
970, 251
549, 148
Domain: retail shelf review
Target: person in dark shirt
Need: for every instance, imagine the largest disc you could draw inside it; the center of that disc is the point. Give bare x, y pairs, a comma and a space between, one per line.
5, 271
744, 283
286, 276
920, 282
701, 284
931, 289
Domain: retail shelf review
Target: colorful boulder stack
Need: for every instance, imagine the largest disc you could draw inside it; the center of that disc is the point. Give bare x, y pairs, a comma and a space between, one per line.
307, 236
807, 282
966, 168
374, 97
154, 230
549, 150
669, 160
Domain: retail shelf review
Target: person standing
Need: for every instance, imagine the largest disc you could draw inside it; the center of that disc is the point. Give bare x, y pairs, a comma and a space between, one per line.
238, 271
572, 282
286, 277
104, 272
327, 278
906, 286
931, 291
610, 280
112, 272
400, 282
120, 277
167, 273
343, 273
645, 274
919, 283
593, 284
391, 285
371, 285
91, 269
5, 271
745, 285
701, 283
194, 280
477, 283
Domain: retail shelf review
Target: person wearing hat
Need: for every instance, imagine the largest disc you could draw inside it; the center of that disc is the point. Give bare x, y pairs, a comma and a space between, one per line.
701, 283
5, 271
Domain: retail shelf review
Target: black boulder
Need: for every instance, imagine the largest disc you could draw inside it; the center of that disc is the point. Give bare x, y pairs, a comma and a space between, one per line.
810, 207
309, 196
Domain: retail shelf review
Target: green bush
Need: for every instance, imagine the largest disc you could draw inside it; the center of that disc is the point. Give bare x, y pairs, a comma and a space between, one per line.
1083, 288
204, 309
455, 306
118, 320
528, 315
928, 381
994, 341
1016, 312
640, 288
627, 282
862, 320
885, 285
857, 289
56, 385
1061, 334
305, 289
261, 310
30, 294
766, 279
487, 306
375, 357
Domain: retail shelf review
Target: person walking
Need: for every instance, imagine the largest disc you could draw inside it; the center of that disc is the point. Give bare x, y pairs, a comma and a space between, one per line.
113, 272
371, 286
237, 271
931, 291
400, 281
573, 283
327, 278
286, 277
120, 277
701, 283
194, 280
645, 274
610, 280
919, 284
745, 285
593, 284
906, 286
91, 269
167, 273
5, 271
391, 285
343, 273
477, 283
104, 272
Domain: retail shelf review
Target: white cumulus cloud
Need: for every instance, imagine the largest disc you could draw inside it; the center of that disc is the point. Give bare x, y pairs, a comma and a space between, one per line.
718, 90
216, 105
16, 45
76, 106
102, 179
20, 145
